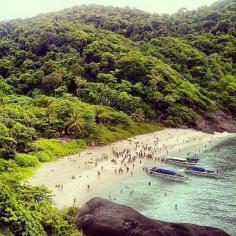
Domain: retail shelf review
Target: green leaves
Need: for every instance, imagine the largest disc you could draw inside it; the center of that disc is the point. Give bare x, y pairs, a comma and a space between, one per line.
126, 66
101, 67
15, 216
75, 124
26, 160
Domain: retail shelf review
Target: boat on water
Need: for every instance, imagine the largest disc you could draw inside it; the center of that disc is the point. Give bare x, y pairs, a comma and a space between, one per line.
179, 161
193, 159
198, 170
167, 174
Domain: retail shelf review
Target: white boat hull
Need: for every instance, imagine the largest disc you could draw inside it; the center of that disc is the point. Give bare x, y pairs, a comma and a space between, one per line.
179, 163
202, 173
178, 178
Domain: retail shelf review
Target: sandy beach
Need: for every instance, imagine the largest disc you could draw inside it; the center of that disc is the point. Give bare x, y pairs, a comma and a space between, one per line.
74, 179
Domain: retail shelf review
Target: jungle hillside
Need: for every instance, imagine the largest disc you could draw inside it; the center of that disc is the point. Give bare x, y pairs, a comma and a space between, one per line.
92, 75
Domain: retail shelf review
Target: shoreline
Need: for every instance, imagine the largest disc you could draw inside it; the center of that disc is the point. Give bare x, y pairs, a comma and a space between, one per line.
74, 179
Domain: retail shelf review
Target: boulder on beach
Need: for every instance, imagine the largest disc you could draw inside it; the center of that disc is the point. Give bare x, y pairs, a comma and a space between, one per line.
100, 217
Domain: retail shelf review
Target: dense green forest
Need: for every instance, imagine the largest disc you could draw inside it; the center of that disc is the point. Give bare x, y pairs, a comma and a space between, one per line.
99, 74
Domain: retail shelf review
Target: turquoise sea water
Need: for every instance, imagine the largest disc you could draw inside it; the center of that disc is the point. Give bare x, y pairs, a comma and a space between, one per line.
204, 201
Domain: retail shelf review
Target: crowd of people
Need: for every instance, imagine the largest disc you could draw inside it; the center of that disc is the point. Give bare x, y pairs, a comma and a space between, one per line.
124, 160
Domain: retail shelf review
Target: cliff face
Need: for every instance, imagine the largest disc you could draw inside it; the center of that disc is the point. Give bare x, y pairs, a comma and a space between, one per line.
100, 217
219, 123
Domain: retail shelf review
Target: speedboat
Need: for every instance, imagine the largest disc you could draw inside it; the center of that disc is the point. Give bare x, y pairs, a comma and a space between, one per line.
167, 174
198, 170
192, 159
178, 161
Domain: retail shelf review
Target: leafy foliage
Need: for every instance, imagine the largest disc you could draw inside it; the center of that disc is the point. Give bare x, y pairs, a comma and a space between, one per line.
99, 74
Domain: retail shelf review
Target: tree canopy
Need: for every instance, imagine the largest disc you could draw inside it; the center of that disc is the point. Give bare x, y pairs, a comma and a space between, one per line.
98, 74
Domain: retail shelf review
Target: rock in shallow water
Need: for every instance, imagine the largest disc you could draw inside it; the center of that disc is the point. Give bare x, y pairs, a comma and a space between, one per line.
100, 217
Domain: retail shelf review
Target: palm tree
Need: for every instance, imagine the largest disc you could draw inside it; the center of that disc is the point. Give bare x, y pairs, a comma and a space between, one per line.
74, 124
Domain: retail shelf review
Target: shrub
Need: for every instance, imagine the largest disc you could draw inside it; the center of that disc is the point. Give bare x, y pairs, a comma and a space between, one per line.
51, 149
7, 166
15, 217
26, 160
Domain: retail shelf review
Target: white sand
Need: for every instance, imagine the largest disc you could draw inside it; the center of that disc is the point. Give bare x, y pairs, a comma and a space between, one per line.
82, 166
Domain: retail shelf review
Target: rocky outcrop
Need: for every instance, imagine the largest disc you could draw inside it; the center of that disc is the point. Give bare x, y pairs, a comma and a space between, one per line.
100, 217
219, 123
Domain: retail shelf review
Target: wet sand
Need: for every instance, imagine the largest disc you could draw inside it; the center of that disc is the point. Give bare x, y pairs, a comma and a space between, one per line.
74, 179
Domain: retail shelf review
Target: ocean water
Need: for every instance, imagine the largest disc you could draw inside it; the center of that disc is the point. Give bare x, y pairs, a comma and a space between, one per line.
201, 200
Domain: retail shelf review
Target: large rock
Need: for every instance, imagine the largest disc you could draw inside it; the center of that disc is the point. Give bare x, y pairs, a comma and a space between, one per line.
219, 123
100, 217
